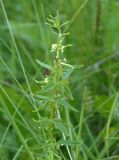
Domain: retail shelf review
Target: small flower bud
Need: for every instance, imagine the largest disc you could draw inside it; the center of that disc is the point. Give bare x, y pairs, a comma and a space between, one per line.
54, 47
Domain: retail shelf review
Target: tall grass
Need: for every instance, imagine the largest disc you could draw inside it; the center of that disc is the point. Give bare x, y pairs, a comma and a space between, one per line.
40, 117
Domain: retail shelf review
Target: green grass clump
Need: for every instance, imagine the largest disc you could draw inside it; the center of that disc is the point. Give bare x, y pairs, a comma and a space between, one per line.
55, 110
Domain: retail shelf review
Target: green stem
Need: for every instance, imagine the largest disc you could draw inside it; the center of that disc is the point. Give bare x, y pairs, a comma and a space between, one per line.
59, 73
80, 125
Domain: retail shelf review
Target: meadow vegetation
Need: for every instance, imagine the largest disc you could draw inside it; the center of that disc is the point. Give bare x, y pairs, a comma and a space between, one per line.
59, 97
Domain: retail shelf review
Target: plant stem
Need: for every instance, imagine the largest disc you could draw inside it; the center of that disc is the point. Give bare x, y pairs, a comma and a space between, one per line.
59, 73
81, 124
64, 137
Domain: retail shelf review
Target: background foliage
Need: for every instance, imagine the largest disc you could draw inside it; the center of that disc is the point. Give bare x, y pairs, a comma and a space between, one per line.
94, 34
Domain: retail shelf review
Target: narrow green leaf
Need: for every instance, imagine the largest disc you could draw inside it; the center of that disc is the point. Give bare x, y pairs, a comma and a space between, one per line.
67, 143
47, 88
67, 73
42, 97
44, 65
64, 103
60, 126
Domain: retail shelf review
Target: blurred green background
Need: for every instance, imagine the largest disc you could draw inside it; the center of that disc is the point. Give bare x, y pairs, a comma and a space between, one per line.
94, 33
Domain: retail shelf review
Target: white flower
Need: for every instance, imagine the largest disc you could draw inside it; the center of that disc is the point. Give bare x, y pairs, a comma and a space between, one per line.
54, 47
64, 60
46, 80
62, 48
